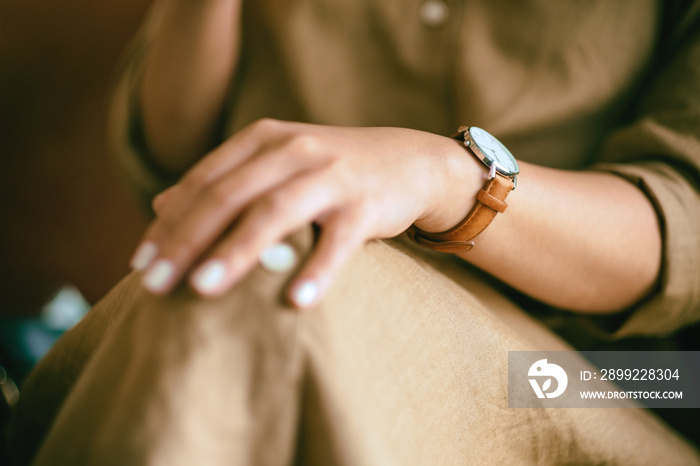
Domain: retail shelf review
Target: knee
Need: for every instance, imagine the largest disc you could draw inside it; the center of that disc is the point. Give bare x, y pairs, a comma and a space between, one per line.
254, 310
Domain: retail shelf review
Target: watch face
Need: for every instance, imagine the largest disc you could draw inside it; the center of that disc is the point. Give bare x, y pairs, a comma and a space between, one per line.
495, 152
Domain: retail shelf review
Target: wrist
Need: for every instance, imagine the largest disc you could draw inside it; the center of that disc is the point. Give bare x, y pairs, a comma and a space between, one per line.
459, 177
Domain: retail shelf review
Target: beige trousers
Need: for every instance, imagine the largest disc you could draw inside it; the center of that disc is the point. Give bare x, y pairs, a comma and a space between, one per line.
404, 363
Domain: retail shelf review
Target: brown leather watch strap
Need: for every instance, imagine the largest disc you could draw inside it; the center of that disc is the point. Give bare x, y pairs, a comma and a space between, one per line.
489, 202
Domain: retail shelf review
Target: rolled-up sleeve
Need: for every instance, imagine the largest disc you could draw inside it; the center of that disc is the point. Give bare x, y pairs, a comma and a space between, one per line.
127, 141
659, 152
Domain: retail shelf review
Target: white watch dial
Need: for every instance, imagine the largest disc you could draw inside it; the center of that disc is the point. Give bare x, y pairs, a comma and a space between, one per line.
495, 152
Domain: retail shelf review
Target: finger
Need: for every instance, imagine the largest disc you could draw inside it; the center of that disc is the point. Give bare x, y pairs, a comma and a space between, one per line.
339, 240
256, 138
147, 250
179, 198
221, 162
267, 221
233, 152
214, 213
161, 200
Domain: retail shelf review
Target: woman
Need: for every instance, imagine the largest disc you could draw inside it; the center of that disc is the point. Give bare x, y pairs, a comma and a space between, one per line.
401, 356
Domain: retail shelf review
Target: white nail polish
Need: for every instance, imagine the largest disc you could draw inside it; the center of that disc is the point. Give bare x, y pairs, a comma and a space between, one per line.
159, 275
305, 293
209, 276
278, 258
143, 256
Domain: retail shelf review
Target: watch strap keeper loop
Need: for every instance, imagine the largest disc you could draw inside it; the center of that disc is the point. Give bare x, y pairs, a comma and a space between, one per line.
491, 202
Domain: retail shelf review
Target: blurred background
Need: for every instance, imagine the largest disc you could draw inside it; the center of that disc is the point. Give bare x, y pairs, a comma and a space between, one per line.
65, 217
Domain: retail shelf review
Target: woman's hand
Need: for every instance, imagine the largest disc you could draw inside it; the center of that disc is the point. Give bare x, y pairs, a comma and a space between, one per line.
275, 177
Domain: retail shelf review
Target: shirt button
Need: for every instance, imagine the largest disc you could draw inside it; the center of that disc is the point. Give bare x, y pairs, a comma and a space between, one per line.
433, 13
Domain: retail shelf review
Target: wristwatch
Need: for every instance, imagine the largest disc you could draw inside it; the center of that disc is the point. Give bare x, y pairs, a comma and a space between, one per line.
503, 169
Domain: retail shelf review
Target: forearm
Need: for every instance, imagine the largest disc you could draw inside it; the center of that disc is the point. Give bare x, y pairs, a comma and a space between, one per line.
583, 241
187, 74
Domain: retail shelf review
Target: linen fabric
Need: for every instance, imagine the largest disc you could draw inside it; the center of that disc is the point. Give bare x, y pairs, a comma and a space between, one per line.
403, 363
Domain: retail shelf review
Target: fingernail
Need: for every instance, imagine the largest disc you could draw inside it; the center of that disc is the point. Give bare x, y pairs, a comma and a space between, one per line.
278, 258
208, 277
143, 256
305, 293
158, 277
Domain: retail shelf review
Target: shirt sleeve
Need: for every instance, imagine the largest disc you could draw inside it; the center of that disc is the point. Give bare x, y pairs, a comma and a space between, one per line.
127, 141
659, 152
